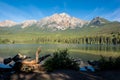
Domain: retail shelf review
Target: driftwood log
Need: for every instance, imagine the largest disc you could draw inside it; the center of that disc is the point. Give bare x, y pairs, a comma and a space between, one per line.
24, 63
37, 55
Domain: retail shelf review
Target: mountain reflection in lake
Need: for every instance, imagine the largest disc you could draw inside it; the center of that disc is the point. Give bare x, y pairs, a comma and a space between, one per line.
83, 51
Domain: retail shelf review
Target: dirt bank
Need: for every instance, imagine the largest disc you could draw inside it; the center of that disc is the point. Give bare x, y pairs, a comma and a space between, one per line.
63, 75
56, 75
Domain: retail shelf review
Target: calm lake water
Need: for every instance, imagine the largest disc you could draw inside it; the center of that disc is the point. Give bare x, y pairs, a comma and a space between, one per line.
83, 51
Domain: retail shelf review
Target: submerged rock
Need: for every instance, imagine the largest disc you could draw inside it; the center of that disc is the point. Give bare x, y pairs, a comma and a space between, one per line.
4, 66
87, 68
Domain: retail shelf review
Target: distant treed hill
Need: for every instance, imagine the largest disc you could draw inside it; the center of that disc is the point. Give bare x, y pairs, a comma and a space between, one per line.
110, 27
62, 28
87, 30
86, 35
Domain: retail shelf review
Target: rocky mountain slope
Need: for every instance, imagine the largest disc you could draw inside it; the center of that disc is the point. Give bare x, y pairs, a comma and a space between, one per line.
98, 21
62, 22
7, 23
27, 23
56, 21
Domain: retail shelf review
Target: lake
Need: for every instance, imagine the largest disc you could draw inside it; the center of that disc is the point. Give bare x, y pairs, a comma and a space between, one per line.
85, 52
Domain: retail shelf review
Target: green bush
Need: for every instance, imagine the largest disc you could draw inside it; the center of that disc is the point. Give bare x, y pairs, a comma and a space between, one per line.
110, 63
4, 41
60, 60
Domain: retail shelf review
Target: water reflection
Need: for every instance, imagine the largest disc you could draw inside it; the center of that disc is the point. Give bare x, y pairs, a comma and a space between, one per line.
115, 48
75, 49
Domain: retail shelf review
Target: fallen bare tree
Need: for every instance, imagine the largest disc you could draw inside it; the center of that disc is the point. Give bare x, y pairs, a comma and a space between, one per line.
24, 63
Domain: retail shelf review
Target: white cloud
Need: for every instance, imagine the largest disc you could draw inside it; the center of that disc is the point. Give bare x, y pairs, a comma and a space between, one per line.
16, 14
115, 15
35, 12
94, 13
65, 5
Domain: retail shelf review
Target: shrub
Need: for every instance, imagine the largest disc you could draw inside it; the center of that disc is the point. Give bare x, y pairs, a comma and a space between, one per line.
110, 63
60, 60
4, 41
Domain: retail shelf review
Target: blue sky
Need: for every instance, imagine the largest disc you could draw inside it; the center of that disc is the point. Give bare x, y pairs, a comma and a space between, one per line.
20, 10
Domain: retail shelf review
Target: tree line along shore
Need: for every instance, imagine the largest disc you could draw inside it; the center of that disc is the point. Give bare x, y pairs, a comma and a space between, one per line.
113, 38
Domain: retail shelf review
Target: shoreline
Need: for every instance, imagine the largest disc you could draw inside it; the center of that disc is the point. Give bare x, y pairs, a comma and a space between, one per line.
1, 60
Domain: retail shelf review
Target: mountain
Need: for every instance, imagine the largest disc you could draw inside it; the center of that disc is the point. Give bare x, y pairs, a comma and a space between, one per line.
61, 22
59, 28
98, 21
7, 23
27, 23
